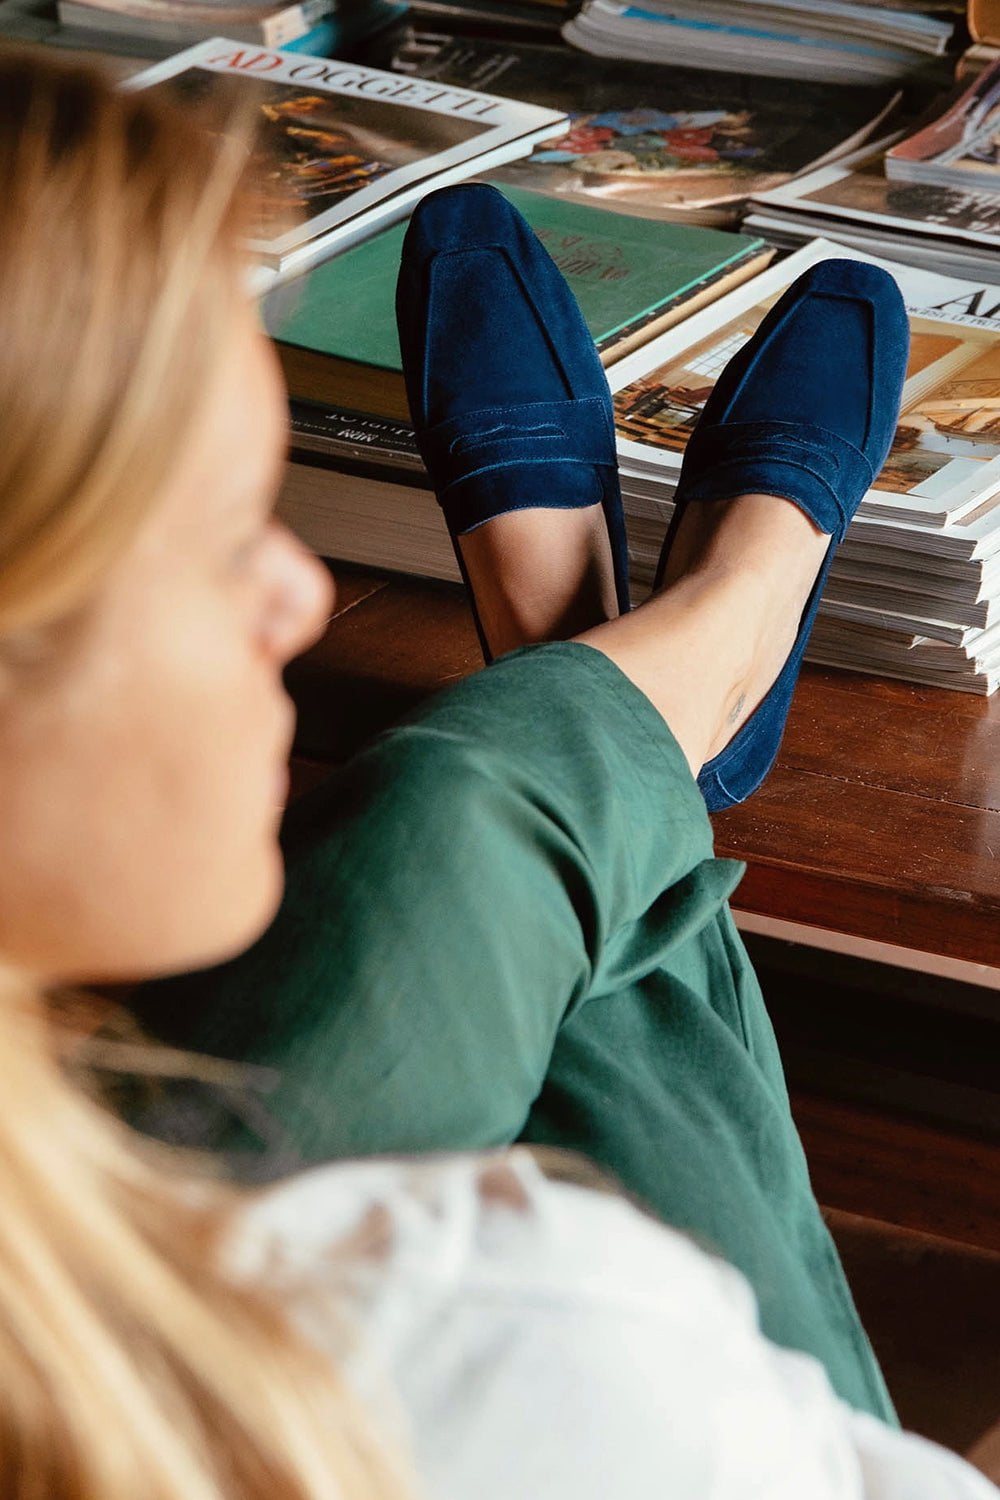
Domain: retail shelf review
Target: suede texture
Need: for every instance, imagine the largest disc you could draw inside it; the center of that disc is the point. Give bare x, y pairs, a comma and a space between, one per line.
508, 397
807, 410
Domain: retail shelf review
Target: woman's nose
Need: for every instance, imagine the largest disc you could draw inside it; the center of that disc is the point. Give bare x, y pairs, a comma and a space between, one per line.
300, 596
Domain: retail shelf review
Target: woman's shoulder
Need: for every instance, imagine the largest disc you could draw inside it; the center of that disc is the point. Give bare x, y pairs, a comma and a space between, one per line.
533, 1336
510, 1219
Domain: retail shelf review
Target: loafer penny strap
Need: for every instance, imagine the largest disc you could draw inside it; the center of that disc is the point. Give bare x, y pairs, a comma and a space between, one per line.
500, 437
820, 471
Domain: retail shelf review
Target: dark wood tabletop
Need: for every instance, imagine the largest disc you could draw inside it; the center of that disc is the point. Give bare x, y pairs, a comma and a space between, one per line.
881, 819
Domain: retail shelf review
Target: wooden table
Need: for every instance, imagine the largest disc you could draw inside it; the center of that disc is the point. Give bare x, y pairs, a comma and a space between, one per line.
878, 830
881, 821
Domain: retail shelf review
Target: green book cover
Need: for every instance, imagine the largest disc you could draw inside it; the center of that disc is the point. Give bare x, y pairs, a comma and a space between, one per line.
624, 271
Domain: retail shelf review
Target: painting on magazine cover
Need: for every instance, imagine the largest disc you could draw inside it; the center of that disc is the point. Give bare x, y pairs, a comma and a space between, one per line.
319, 148
648, 136
683, 158
950, 420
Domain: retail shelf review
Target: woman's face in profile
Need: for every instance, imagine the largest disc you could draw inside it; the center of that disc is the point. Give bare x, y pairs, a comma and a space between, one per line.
144, 767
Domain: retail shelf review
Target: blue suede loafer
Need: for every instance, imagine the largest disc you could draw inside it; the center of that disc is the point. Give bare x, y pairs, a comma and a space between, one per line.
806, 410
508, 396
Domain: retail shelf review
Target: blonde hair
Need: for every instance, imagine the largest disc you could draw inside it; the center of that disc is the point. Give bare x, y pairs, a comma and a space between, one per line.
131, 1366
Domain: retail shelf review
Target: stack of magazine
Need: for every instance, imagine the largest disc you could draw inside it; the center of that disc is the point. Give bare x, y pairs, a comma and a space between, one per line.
855, 203
837, 40
931, 200
915, 590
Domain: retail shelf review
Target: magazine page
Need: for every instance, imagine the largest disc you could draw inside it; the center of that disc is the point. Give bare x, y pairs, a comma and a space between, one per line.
945, 459
974, 538
345, 139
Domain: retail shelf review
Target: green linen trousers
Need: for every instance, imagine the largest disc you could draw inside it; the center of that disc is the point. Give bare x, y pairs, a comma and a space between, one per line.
504, 922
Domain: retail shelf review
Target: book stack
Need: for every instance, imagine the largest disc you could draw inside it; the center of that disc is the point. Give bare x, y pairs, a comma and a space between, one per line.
836, 40
914, 592
356, 489
647, 138
633, 278
932, 199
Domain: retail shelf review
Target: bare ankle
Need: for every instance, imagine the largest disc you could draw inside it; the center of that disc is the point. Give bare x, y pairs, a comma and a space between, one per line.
705, 649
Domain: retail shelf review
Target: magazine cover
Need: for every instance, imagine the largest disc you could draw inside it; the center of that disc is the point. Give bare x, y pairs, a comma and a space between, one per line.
654, 139
867, 197
631, 277
962, 146
945, 459
347, 148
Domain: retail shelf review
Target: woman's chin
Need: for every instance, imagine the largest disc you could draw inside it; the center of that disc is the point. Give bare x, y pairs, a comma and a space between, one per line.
161, 921
234, 926
251, 919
